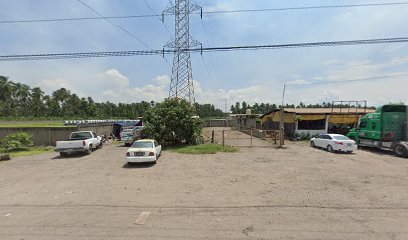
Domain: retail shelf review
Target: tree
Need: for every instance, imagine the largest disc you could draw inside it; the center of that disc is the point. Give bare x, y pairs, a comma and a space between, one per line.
244, 107
21, 98
171, 123
37, 107
6, 100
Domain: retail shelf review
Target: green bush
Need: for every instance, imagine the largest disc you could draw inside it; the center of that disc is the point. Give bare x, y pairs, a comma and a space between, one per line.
15, 141
172, 123
304, 137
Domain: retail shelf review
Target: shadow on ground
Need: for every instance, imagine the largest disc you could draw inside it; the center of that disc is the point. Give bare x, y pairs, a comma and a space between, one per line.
138, 165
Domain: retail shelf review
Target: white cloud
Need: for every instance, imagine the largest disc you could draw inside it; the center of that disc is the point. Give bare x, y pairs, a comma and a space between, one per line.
162, 80
50, 85
110, 85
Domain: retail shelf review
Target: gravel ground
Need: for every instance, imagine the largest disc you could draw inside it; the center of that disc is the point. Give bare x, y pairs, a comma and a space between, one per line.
258, 193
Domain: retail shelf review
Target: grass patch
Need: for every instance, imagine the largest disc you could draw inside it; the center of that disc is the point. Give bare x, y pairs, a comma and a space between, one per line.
28, 152
23, 124
207, 148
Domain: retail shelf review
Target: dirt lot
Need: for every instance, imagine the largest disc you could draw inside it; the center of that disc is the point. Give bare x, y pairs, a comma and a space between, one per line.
256, 193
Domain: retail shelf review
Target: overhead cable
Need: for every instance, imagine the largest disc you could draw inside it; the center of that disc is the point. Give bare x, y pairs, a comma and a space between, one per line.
26, 57
210, 12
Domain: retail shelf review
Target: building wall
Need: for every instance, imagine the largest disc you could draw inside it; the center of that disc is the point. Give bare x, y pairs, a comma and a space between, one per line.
47, 136
313, 132
219, 123
99, 129
246, 123
288, 127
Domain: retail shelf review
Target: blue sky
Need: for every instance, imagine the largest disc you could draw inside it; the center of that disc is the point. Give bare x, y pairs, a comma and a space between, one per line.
253, 76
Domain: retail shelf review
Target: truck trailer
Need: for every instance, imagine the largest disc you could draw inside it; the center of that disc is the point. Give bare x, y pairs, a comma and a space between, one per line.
386, 128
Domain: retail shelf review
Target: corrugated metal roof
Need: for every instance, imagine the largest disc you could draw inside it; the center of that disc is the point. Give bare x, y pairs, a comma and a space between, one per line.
324, 111
329, 110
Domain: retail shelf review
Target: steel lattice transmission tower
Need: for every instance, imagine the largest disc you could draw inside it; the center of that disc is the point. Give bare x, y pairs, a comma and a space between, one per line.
181, 85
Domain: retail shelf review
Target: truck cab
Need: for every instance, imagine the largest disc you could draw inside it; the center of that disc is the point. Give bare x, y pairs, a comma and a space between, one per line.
386, 128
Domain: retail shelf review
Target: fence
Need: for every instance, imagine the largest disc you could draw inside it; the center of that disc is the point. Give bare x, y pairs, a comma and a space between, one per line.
246, 138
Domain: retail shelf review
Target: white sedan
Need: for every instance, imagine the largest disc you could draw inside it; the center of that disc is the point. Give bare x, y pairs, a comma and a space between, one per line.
334, 143
145, 150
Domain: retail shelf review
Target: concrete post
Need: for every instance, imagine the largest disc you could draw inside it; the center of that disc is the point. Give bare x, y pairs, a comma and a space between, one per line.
282, 127
49, 137
251, 138
326, 127
223, 138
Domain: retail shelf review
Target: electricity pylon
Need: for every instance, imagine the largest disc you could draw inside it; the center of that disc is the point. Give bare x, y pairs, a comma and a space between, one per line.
181, 85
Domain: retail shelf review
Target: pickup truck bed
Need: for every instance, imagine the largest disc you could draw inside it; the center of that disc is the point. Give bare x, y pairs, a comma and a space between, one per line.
79, 142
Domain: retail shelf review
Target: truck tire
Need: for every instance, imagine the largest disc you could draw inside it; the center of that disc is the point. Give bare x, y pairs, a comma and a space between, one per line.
400, 150
63, 154
89, 150
100, 145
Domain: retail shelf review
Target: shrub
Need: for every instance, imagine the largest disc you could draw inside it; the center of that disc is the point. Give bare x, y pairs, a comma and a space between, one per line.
14, 141
304, 137
171, 123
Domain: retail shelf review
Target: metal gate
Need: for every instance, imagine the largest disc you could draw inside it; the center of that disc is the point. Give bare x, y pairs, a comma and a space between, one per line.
246, 138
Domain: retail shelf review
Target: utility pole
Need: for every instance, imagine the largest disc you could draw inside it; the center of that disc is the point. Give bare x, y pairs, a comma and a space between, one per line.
181, 85
282, 120
226, 112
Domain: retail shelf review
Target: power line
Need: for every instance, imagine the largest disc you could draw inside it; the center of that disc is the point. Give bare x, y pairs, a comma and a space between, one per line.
115, 25
151, 9
199, 50
350, 80
209, 12
308, 7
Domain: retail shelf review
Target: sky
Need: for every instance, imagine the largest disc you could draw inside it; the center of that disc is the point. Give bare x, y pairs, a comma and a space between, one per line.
220, 78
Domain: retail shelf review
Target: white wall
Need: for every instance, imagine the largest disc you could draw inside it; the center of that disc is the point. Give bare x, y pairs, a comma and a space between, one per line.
311, 132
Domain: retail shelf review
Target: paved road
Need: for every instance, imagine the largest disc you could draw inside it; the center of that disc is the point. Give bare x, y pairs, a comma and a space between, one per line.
258, 193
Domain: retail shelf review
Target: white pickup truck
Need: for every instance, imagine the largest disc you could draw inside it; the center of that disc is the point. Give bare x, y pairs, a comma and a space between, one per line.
84, 141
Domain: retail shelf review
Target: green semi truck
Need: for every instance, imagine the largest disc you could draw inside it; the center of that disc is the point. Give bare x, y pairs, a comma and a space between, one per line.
386, 128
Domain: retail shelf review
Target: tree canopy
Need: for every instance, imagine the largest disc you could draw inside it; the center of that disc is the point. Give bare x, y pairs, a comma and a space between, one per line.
172, 122
19, 100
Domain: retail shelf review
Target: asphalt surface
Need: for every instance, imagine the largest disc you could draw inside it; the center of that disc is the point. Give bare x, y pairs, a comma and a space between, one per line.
256, 193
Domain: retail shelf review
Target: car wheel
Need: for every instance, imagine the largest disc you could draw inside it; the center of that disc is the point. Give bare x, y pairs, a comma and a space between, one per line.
349, 152
89, 150
312, 144
100, 145
63, 154
400, 150
330, 149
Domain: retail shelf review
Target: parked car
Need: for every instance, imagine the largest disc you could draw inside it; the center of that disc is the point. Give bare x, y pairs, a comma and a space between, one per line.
334, 143
129, 135
145, 150
84, 141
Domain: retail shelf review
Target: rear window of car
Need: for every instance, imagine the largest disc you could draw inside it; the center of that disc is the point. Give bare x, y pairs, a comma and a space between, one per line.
142, 145
81, 135
341, 138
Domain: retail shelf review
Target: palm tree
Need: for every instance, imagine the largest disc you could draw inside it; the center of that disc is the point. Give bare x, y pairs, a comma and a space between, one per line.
7, 89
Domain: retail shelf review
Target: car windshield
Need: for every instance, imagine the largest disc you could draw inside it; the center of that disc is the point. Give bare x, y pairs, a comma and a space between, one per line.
142, 145
341, 137
81, 135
